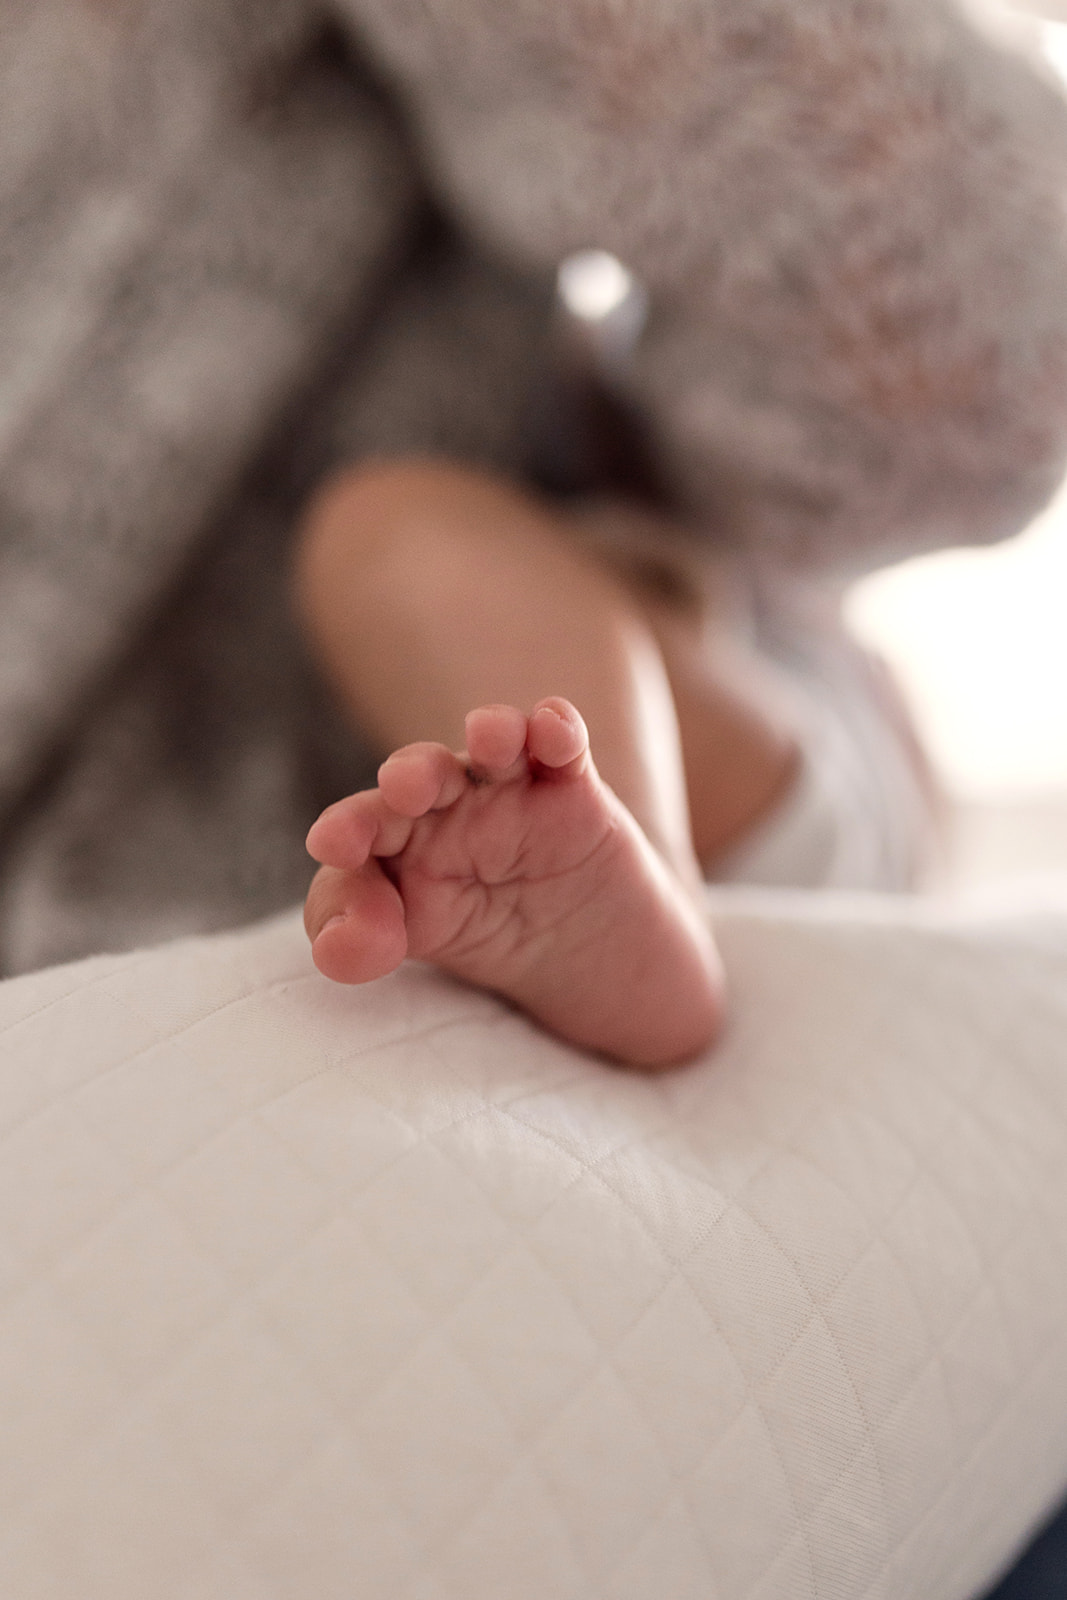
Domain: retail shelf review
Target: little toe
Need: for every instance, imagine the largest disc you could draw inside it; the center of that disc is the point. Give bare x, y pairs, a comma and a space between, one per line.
496, 737
557, 735
420, 778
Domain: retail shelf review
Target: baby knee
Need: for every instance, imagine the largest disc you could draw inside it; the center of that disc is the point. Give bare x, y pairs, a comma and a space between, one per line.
381, 530
354, 516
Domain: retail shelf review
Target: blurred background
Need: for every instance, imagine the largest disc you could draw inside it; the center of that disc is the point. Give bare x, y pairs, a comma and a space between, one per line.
978, 639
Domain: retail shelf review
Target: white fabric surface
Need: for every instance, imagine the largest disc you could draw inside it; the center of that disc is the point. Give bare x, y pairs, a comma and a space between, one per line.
310, 1293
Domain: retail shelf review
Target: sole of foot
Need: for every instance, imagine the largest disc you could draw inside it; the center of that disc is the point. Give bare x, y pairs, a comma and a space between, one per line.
514, 867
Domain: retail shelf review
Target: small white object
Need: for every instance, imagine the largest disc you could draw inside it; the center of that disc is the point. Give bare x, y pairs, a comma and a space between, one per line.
593, 284
604, 303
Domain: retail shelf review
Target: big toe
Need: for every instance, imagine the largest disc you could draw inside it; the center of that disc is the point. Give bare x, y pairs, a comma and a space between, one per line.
355, 921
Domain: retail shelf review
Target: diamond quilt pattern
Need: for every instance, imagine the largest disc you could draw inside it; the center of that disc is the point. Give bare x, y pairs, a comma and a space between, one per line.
312, 1292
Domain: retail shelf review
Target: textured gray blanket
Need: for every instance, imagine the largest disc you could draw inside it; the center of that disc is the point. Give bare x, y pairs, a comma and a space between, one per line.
242, 241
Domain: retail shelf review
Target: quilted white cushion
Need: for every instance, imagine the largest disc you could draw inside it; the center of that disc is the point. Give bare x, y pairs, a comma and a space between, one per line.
321, 1294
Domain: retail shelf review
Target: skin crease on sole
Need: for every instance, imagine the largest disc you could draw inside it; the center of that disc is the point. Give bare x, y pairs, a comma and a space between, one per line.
514, 867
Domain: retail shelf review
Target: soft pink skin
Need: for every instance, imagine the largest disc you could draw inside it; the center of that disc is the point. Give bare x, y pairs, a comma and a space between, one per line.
514, 867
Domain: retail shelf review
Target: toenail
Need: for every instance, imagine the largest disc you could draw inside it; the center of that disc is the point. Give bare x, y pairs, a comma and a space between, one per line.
553, 712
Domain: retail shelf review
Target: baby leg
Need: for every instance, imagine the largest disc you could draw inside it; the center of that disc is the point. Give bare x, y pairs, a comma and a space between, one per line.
513, 866
427, 589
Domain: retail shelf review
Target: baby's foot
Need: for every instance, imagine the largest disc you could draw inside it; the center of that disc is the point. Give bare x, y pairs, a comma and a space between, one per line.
516, 868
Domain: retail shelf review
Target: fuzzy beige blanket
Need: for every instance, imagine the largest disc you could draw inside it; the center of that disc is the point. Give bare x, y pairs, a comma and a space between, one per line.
242, 241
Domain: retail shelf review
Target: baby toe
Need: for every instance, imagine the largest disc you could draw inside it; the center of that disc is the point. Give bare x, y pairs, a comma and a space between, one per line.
342, 835
355, 921
420, 778
496, 737
557, 734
